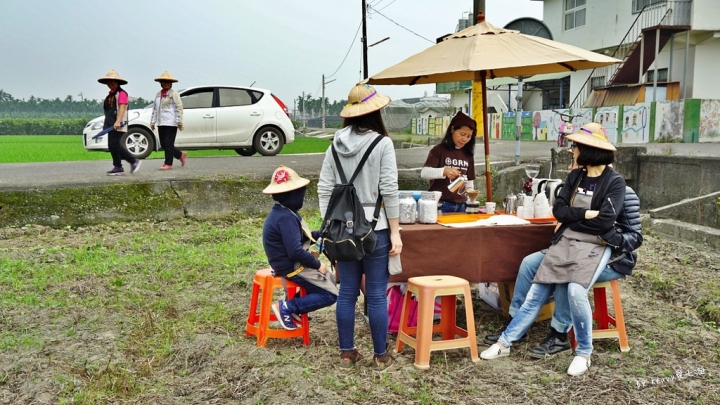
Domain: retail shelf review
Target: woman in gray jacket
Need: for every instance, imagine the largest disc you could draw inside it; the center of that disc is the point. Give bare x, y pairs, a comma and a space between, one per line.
168, 115
378, 177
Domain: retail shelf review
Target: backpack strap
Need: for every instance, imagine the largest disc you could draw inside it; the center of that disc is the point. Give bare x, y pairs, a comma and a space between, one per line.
376, 214
359, 166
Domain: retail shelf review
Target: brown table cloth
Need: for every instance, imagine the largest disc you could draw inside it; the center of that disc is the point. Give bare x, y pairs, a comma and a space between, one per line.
478, 254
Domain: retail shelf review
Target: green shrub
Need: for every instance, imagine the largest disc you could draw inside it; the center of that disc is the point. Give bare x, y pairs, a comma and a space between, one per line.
42, 126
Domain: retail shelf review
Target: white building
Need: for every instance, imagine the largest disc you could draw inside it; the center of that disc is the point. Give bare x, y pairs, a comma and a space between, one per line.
670, 48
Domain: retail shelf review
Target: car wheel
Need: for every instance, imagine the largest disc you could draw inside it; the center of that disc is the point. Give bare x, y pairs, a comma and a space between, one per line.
245, 151
139, 142
268, 141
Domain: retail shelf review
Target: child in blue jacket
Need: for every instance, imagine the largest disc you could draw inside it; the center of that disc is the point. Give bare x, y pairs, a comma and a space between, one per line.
287, 241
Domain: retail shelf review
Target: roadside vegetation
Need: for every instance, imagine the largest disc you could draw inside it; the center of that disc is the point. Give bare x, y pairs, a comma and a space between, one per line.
62, 148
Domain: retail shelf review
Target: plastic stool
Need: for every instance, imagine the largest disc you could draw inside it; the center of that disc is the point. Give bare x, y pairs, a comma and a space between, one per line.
603, 320
426, 288
258, 323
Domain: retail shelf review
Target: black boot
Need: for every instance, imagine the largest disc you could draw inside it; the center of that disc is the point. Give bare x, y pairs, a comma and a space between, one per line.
554, 343
493, 337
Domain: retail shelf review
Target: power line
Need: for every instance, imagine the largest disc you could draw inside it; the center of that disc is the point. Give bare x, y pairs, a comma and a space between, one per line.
348, 51
406, 29
387, 5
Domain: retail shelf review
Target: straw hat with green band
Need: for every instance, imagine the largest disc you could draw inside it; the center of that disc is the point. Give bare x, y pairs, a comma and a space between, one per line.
363, 99
594, 135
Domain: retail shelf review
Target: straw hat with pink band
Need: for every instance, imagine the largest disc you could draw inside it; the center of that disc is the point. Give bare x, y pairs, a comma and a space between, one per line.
285, 179
362, 100
593, 135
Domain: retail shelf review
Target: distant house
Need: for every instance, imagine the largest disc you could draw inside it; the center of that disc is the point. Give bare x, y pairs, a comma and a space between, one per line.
670, 48
399, 113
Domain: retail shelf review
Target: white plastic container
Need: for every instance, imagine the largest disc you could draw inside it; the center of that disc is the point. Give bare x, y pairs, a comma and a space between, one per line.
408, 208
427, 208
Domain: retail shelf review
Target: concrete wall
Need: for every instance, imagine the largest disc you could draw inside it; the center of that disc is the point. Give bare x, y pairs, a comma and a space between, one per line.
660, 181
665, 180
703, 210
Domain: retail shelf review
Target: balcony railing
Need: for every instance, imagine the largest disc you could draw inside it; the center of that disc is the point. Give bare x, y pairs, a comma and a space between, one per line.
664, 13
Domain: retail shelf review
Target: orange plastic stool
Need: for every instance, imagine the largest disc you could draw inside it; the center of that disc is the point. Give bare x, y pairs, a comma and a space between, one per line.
258, 323
420, 337
603, 320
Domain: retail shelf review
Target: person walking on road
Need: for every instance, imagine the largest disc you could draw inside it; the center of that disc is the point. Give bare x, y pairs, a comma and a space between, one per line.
115, 107
168, 114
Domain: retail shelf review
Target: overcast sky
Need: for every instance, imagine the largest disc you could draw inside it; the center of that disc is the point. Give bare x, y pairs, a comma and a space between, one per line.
56, 48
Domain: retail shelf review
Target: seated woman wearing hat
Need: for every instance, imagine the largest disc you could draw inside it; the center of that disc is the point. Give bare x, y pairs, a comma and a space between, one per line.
451, 158
587, 207
287, 241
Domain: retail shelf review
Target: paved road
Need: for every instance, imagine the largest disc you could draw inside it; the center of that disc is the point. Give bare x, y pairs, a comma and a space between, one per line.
14, 176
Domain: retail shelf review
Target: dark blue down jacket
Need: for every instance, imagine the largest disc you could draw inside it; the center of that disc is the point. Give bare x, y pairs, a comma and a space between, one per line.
626, 236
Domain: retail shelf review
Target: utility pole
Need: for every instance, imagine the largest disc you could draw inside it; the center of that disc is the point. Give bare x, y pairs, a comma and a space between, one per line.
322, 100
303, 113
478, 6
364, 39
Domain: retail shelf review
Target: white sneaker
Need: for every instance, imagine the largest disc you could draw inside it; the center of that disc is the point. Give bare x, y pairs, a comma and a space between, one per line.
494, 351
578, 366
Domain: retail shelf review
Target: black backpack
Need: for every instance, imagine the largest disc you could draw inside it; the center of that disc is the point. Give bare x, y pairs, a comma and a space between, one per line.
346, 234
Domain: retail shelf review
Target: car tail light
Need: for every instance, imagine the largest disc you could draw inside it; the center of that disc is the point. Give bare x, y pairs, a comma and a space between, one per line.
281, 104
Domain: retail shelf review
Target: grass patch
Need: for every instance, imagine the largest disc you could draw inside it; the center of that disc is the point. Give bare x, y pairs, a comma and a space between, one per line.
69, 148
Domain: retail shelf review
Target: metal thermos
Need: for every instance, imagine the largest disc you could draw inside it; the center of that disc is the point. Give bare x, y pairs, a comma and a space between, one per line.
510, 203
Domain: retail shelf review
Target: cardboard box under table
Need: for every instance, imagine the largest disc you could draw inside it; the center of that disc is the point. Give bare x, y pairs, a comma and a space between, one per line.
482, 254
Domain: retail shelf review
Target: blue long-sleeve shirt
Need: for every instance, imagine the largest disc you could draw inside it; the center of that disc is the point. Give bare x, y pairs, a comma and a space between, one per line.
283, 240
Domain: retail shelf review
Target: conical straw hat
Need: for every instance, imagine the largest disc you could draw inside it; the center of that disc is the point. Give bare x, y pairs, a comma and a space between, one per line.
112, 75
363, 99
165, 77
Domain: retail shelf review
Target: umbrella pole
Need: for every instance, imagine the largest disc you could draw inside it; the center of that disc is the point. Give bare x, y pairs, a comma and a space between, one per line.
518, 120
486, 135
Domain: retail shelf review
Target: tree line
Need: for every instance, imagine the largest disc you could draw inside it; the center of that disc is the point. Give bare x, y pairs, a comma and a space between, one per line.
34, 107
310, 107
70, 107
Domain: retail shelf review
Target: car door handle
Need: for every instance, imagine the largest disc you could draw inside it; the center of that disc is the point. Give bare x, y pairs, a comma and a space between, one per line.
255, 114
209, 116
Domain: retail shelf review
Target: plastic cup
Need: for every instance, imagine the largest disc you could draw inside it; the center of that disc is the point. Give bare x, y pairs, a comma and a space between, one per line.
489, 207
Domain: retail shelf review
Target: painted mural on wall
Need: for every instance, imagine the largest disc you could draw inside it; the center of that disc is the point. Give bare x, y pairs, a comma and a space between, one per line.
608, 117
709, 121
509, 125
669, 117
495, 125
635, 125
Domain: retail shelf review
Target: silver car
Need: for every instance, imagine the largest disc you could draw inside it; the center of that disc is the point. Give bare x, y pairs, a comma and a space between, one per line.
245, 119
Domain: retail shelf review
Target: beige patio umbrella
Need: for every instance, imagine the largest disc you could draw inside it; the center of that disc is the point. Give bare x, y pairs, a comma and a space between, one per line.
483, 51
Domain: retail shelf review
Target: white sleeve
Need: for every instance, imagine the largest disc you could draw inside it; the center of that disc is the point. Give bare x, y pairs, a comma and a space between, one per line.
432, 173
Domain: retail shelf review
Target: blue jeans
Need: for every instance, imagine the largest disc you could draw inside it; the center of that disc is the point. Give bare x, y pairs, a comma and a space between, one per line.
315, 298
375, 268
447, 206
561, 320
580, 311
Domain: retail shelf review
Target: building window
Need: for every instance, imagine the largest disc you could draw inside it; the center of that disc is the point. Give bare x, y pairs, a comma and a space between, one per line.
596, 82
662, 75
639, 4
574, 14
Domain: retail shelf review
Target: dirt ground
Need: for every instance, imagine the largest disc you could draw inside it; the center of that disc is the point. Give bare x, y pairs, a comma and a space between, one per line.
670, 309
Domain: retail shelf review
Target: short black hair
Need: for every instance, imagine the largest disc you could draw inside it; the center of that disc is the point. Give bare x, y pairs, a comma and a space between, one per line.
590, 156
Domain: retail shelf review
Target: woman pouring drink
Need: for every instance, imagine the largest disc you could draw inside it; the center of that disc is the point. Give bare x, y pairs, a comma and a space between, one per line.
450, 165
